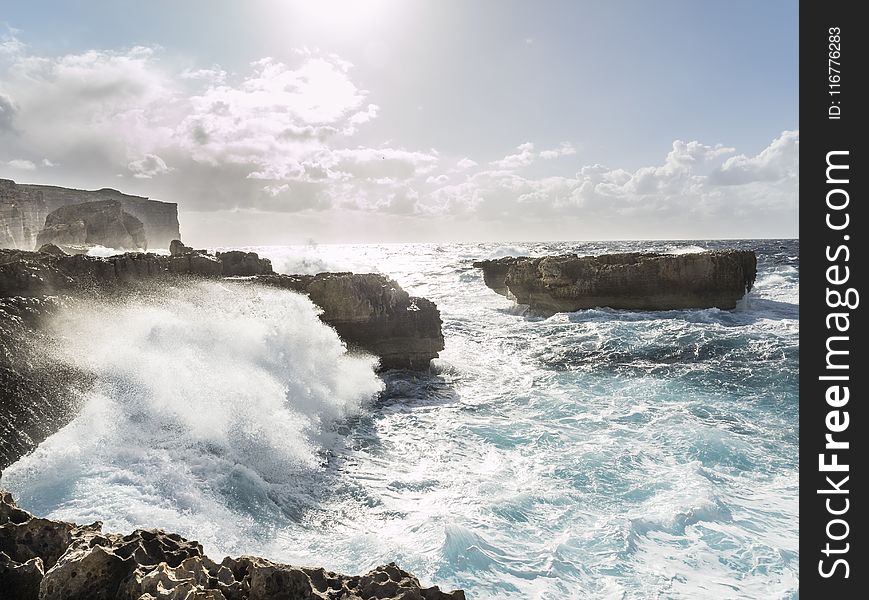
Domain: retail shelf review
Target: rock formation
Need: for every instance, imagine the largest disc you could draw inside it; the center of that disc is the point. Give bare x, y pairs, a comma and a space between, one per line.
22, 213
41, 559
639, 281
23, 208
103, 223
370, 312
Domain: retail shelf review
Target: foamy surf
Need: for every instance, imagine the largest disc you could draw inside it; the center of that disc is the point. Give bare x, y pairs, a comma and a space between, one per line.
601, 454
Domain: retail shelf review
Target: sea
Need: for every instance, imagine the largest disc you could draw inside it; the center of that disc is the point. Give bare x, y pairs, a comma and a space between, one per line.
603, 453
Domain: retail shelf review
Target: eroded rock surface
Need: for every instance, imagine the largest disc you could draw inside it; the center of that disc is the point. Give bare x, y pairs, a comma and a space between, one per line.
103, 223
639, 281
372, 312
41, 559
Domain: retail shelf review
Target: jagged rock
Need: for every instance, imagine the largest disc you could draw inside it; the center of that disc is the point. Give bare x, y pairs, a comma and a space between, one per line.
88, 564
102, 222
36, 397
51, 249
177, 248
20, 580
370, 311
196, 264
639, 281
236, 262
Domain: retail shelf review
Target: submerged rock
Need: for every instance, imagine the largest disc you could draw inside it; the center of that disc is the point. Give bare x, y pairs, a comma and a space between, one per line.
41, 559
639, 281
103, 222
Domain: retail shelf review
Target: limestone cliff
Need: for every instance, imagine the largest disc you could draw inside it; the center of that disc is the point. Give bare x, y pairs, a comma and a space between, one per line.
102, 222
639, 281
23, 208
22, 214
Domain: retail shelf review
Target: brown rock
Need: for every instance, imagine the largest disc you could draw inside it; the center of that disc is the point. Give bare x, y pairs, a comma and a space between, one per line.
153, 564
639, 281
371, 312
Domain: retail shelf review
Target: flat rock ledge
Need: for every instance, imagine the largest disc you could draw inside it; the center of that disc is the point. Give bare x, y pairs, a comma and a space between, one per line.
636, 280
42, 559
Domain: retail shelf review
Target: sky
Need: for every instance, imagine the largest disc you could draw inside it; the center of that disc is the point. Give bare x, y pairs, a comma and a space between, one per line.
282, 121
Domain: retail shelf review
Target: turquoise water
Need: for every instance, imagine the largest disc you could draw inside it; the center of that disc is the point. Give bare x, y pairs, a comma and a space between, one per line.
598, 454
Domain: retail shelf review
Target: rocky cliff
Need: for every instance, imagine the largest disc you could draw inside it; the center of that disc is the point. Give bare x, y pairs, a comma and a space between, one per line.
639, 281
23, 208
102, 222
22, 214
370, 312
41, 559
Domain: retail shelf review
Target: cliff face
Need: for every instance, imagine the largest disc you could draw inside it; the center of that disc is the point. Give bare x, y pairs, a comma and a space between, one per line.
41, 559
639, 281
22, 214
103, 222
35, 202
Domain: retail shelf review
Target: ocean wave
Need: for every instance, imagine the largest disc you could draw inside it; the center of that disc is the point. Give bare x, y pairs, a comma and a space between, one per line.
206, 399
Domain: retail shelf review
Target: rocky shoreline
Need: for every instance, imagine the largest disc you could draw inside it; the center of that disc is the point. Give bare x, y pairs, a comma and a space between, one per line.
370, 312
636, 280
42, 559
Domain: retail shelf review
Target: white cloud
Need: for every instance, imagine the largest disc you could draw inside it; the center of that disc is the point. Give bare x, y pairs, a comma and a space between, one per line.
22, 165
148, 166
565, 149
524, 157
777, 161
285, 137
687, 187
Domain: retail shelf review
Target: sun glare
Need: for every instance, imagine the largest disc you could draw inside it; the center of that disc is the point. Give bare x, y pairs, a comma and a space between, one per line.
342, 17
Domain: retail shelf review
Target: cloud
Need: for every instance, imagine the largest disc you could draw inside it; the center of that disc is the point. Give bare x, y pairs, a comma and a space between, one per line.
7, 112
565, 149
687, 187
778, 161
148, 166
524, 157
22, 165
284, 136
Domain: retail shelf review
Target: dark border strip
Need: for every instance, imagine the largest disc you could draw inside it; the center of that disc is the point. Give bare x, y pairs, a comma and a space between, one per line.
833, 367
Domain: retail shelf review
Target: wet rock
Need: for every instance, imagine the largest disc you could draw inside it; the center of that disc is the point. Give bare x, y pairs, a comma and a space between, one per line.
177, 248
86, 563
51, 249
639, 281
236, 262
372, 312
